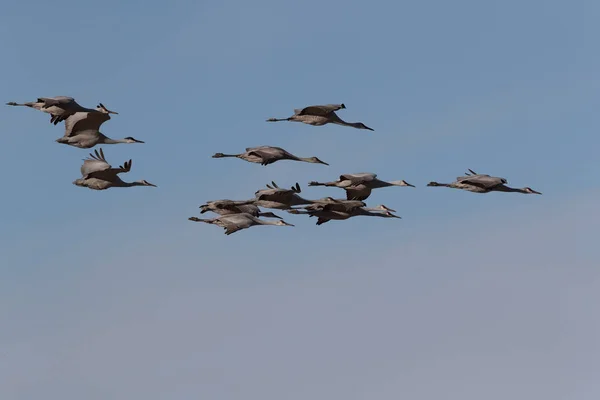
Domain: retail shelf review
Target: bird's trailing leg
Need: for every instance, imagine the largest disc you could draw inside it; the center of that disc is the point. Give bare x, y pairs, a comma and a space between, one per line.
195, 219
434, 184
315, 183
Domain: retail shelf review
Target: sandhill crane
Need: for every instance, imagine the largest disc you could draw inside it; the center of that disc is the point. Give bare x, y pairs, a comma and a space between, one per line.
479, 183
82, 129
266, 155
327, 215
320, 115
235, 222
279, 198
359, 186
97, 174
227, 207
59, 107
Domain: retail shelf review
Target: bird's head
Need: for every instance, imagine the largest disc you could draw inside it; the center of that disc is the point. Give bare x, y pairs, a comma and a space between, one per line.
342, 106
401, 183
390, 215
144, 182
360, 125
433, 184
317, 161
283, 223
218, 155
381, 207
100, 107
529, 190
129, 139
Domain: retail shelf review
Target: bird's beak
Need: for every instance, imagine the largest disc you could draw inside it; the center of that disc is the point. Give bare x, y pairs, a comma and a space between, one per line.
536, 192
370, 129
387, 208
288, 224
112, 112
408, 184
152, 184
393, 215
323, 162
138, 141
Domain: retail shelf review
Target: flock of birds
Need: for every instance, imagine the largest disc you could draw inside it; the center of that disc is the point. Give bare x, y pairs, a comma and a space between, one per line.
82, 130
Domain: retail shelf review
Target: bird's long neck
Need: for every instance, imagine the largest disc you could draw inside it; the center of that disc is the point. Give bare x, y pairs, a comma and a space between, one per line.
504, 188
265, 222
367, 212
108, 140
380, 184
121, 183
229, 155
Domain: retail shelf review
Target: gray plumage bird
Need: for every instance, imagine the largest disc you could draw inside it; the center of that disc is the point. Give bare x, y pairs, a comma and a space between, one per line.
359, 186
324, 216
279, 198
98, 174
227, 207
319, 115
236, 222
82, 129
266, 155
341, 205
59, 107
480, 183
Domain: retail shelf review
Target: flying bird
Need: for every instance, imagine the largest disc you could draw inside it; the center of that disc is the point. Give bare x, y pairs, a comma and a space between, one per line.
279, 198
324, 216
480, 183
59, 107
82, 129
359, 186
97, 174
320, 115
266, 155
227, 207
235, 222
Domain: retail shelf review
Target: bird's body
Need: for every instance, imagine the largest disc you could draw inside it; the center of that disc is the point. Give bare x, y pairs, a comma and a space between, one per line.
319, 115
228, 207
359, 186
59, 107
82, 129
481, 183
279, 198
98, 174
266, 155
235, 222
324, 215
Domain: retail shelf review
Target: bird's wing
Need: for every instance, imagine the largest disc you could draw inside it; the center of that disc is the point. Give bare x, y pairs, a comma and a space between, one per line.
357, 178
483, 181
319, 110
277, 195
256, 148
59, 101
355, 193
81, 121
268, 154
94, 163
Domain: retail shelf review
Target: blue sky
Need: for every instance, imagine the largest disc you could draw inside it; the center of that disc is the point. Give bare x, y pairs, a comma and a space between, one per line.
116, 295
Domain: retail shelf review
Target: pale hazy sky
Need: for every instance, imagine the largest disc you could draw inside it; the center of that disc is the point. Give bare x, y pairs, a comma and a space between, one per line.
115, 295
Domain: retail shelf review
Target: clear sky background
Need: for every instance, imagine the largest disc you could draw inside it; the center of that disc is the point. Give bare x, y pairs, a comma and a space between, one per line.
116, 295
